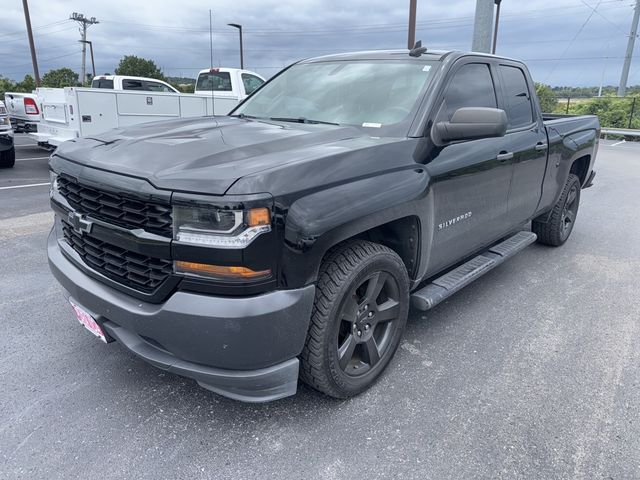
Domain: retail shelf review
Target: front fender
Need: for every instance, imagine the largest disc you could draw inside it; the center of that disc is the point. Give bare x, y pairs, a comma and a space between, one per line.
318, 221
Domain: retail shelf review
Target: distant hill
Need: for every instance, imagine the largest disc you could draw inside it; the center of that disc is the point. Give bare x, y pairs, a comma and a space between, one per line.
609, 90
181, 80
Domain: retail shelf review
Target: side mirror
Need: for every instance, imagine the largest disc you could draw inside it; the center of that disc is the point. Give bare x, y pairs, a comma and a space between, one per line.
470, 123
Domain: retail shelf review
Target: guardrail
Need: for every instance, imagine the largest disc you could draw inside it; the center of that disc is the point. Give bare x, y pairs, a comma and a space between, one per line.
620, 131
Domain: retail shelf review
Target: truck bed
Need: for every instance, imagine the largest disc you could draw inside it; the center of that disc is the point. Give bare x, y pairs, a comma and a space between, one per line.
571, 123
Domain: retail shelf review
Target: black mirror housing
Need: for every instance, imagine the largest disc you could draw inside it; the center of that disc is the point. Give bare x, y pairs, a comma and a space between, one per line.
471, 123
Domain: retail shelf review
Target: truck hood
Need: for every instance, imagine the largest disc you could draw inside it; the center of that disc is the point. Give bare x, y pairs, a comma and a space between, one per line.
204, 155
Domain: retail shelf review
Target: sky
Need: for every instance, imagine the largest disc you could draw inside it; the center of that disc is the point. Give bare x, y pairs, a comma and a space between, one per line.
564, 42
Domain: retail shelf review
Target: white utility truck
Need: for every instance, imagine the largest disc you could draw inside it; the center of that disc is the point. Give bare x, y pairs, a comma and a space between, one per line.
73, 112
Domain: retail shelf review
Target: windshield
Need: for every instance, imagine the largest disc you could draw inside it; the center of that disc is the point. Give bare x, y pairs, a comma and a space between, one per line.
370, 93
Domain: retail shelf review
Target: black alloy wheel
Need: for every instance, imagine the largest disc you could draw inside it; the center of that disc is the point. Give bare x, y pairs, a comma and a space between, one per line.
359, 314
368, 319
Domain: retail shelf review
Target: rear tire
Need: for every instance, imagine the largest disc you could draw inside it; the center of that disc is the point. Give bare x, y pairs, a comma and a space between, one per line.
358, 317
556, 228
8, 158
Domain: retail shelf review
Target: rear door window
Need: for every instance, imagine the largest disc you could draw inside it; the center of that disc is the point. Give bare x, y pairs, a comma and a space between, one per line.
129, 84
517, 96
471, 86
157, 87
102, 83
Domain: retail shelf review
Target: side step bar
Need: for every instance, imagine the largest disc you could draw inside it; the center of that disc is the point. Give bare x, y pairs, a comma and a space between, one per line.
445, 286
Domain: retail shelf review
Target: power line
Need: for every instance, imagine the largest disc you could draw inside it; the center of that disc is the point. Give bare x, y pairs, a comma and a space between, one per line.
41, 61
584, 24
21, 32
603, 17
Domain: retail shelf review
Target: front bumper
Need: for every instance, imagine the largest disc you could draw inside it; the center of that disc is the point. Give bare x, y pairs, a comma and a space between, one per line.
244, 348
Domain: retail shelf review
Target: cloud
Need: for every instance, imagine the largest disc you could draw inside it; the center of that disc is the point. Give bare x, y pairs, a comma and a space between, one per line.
563, 41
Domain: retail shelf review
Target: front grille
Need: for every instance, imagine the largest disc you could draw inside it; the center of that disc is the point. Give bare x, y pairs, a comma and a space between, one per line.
115, 208
123, 266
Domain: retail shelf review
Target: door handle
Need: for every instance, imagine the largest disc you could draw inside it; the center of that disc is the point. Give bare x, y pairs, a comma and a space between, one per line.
541, 147
504, 156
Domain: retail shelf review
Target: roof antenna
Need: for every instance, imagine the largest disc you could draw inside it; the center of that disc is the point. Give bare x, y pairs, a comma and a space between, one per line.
213, 103
417, 49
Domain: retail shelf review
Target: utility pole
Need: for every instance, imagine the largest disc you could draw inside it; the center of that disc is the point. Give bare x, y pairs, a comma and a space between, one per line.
411, 41
32, 46
495, 27
482, 26
622, 89
84, 22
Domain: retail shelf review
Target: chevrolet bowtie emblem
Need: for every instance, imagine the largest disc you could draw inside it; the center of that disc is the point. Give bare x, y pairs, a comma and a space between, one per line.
79, 223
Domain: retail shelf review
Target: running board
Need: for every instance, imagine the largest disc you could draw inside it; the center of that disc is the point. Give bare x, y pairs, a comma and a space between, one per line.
445, 286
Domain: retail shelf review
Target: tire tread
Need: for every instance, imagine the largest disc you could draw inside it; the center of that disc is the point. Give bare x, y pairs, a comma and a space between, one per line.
334, 272
548, 231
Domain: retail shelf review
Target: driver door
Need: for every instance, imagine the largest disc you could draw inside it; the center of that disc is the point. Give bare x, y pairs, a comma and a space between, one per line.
469, 179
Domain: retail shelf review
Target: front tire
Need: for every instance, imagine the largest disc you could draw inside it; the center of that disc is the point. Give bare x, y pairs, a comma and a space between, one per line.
358, 317
559, 225
8, 158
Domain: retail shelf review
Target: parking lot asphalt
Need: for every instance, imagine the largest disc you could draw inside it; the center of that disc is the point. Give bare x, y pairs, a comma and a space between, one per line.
530, 372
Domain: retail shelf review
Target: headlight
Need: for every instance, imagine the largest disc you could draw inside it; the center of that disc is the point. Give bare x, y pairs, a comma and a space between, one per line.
218, 228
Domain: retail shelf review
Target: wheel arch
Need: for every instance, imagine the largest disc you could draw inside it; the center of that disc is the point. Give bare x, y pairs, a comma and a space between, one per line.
389, 209
580, 168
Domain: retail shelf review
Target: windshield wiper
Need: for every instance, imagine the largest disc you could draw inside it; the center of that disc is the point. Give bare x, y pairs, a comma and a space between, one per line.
243, 115
301, 120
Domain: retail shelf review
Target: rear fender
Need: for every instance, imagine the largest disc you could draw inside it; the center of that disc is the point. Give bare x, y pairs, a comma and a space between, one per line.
561, 157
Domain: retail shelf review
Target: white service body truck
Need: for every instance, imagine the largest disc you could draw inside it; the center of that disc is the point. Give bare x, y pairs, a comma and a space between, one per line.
73, 112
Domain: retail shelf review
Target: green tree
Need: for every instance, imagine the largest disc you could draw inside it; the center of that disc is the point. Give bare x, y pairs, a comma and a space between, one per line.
184, 88
138, 67
615, 112
27, 85
6, 85
547, 97
61, 77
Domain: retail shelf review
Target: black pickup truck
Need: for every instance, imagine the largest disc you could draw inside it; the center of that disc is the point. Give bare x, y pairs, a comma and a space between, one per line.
289, 239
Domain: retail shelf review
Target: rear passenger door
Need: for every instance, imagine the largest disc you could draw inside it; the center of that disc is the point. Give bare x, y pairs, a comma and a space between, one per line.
526, 139
470, 185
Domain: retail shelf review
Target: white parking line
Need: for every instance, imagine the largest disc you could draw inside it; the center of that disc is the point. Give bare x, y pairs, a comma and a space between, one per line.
618, 143
25, 186
32, 158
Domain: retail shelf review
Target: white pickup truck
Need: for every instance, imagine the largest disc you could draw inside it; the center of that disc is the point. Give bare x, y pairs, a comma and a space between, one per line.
23, 110
75, 112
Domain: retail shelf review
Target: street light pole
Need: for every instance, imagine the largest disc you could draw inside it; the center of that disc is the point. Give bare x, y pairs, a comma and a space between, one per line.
495, 27
622, 89
239, 27
93, 63
412, 24
482, 26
